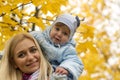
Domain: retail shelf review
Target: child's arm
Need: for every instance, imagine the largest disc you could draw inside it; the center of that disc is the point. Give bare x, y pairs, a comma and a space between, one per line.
72, 63
48, 49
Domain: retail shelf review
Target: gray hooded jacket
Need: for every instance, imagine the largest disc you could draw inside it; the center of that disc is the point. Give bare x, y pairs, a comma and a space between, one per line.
60, 55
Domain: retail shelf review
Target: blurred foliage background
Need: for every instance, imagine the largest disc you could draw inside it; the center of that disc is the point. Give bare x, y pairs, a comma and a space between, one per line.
97, 37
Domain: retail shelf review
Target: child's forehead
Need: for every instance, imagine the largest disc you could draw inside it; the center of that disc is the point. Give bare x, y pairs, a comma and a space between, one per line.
62, 25
65, 27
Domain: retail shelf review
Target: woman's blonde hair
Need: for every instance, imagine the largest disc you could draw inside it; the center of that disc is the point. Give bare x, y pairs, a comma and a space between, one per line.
7, 69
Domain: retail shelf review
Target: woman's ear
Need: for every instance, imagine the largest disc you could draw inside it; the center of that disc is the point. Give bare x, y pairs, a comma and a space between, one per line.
13, 63
15, 66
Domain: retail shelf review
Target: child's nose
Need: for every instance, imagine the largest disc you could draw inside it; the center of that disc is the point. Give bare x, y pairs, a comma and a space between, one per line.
59, 33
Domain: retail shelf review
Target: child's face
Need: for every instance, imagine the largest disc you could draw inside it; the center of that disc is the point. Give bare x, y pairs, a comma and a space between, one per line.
26, 56
60, 34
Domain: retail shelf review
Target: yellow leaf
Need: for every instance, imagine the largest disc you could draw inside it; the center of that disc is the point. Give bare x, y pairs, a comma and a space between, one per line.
37, 21
9, 21
86, 31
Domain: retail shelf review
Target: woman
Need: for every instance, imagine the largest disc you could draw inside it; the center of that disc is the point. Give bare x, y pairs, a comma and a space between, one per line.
23, 60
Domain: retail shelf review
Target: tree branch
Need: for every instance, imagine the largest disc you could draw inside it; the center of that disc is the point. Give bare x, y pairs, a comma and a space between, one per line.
20, 6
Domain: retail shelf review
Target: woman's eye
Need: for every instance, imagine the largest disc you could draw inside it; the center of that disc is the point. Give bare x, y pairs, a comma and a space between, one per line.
33, 50
21, 55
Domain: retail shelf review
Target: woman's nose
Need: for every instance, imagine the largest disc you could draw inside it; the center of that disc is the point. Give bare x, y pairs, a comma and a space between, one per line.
30, 56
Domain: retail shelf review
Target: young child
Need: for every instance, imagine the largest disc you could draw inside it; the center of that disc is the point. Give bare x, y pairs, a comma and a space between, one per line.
59, 47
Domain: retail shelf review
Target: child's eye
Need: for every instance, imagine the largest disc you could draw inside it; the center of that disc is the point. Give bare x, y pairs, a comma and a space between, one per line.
57, 29
66, 34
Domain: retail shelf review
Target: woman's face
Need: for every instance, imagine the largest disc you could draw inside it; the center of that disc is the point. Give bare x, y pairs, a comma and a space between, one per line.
26, 56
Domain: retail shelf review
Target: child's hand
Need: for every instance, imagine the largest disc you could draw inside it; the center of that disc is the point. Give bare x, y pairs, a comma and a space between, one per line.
61, 70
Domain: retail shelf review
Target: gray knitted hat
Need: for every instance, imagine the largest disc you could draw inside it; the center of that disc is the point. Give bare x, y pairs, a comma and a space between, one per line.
71, 21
